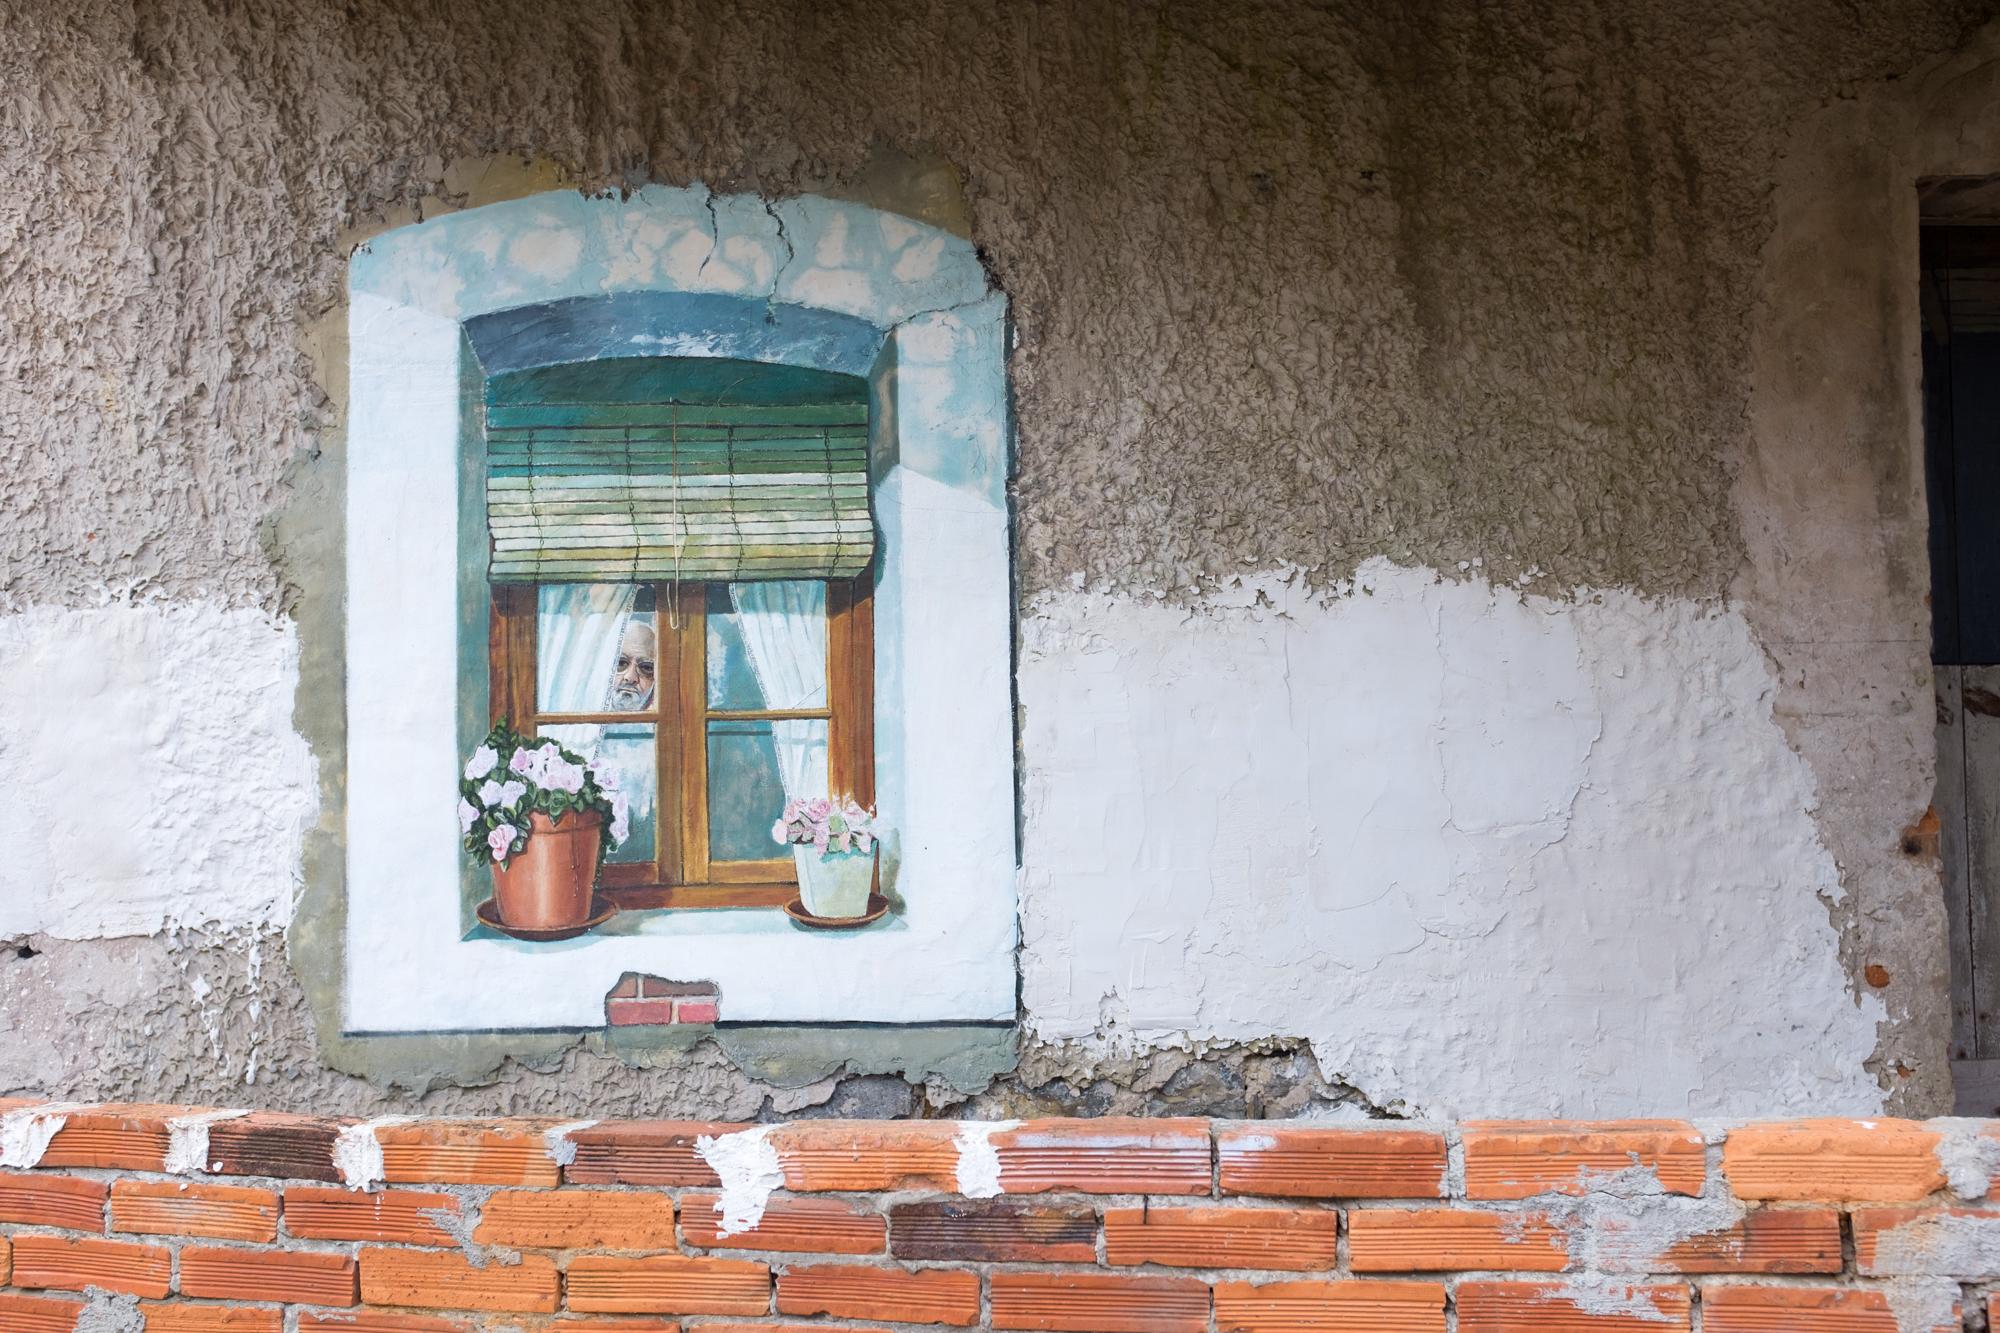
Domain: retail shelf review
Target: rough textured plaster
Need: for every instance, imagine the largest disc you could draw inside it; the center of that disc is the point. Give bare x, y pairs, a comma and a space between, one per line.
1437, 281
155, 779
1831, 505
1467, 841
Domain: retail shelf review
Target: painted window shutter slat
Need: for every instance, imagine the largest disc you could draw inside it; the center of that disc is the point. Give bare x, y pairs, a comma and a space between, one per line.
628, 493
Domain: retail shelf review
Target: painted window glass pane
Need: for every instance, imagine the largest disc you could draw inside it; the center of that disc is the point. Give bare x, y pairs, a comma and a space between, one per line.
627, 748
767, 645
595, 648
753, 767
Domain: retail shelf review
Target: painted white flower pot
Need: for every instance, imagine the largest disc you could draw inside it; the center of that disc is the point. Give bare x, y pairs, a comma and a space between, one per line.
835, 885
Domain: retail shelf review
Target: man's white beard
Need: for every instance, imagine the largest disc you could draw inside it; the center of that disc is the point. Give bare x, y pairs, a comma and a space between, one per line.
622, 701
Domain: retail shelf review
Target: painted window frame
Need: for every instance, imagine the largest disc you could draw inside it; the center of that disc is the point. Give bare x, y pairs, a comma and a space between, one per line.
683, 875
805, 281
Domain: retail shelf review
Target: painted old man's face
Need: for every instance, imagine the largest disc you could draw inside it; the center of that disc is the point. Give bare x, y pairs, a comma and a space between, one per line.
632, 673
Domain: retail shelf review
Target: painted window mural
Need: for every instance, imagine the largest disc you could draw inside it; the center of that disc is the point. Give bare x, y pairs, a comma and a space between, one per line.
678, 574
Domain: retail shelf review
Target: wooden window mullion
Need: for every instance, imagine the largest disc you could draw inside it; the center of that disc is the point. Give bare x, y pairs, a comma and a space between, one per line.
691, 733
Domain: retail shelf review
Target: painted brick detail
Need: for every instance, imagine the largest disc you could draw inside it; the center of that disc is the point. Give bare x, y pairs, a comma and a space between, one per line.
73, 1265
854, 1291
1311, 1163
1097, 1303
994, 1231
1108, 1156
302, 1277
802, 1226
47, 1200
1801, 1310
667, 1284
1284, 1239
643, 1152
1552, 1307
577, 1219
448, 1281
1441, 1240
1518, 1161
1833, 1161
1329, 1307
182, 1208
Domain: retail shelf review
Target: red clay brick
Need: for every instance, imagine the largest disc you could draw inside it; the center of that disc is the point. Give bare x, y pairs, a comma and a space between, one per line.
6, 1259
1300, 1240
1436, 1240
1113, 1155
1329, 1307
120, 1136
1922, 1249
1519, 1159
182, 1208
1301, 1162
272, 1143
182, 1317
452, 1152
1542, 1307
377, 1321
994, 1231
644, 1152
1768, 1240
713, 1327
804, 1226
1098, 1303
404, 1217
448, 1281
299, 1277
37, 1314
852, 1291
867, 1155
667, 1284
577, 1219
72, 1265
1833, 1161
44, 1200
1799, 1310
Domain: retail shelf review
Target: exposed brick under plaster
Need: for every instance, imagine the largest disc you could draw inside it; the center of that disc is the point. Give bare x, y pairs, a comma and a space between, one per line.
1135, 1226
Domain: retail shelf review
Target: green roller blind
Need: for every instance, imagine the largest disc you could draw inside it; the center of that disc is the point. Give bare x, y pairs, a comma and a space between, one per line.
627, 492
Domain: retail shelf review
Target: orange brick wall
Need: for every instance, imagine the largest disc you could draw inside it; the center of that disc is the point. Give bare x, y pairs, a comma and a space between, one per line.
1095, 1226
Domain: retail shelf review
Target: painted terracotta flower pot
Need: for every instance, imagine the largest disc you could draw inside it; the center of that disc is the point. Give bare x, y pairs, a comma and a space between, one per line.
548, 885
836, 885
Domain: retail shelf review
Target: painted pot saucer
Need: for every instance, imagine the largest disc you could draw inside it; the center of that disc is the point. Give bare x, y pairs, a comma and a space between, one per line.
878, 906
601, 911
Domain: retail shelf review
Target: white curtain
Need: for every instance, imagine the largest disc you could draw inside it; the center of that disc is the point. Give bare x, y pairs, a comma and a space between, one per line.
577, 629
784, 627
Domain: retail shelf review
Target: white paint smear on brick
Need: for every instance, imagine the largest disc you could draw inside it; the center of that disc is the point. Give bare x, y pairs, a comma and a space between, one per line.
749, 1170
157, 780
357, 1153
557, 1141
978, 1172
25, 1134
187, 1141
1493, 853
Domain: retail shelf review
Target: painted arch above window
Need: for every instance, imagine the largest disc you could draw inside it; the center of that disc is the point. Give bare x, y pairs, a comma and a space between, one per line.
713, 494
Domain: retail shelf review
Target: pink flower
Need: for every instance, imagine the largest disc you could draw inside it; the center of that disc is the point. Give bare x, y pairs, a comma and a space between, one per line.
621, 818
482, 762
468, 815
527, 764
560, 775
778, 832
500, 841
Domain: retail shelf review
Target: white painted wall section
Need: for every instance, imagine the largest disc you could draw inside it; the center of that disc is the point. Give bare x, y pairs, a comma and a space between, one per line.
152, 775
1492, 853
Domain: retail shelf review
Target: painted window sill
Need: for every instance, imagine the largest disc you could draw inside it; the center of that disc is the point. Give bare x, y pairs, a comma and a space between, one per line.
672, 922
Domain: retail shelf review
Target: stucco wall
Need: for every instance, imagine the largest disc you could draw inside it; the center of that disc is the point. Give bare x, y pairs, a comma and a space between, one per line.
1588, 339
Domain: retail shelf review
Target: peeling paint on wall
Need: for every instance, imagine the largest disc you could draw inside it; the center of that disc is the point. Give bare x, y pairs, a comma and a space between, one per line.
1467, 840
